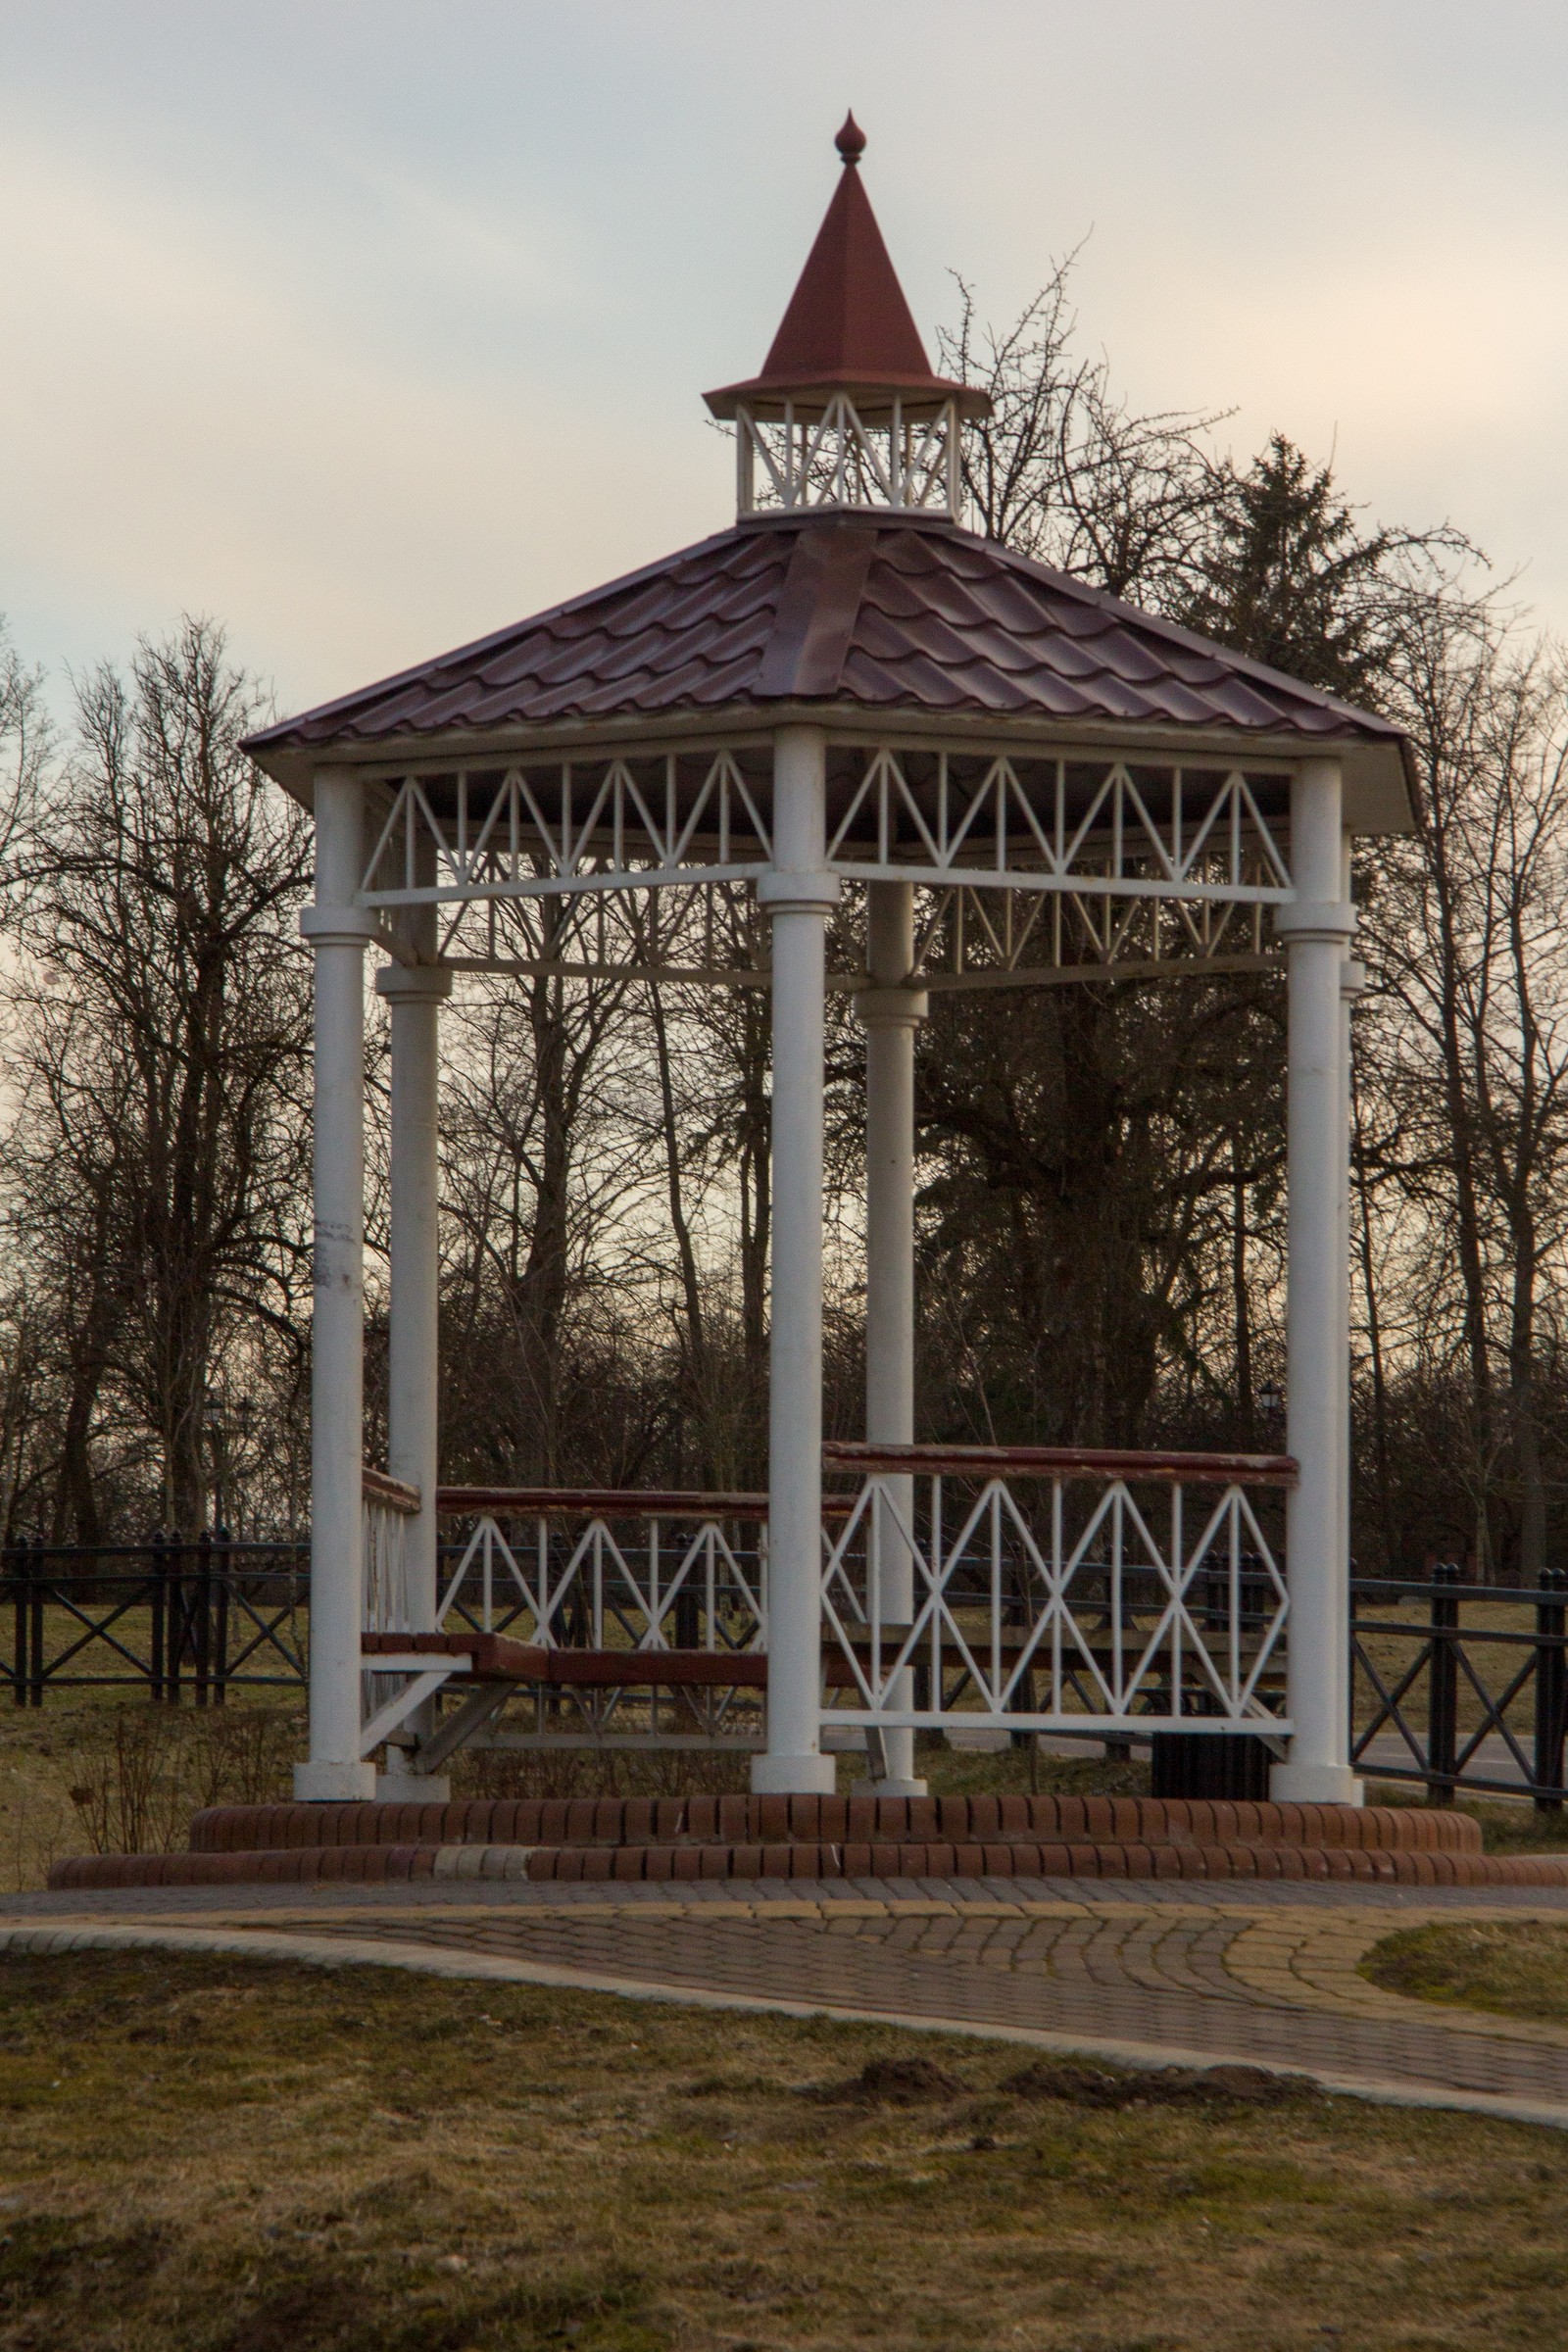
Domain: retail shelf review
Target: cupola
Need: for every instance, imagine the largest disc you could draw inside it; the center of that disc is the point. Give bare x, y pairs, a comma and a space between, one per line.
848, 411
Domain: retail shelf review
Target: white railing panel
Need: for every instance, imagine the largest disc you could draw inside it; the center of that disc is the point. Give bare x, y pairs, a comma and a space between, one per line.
1111, 1595
619, 1577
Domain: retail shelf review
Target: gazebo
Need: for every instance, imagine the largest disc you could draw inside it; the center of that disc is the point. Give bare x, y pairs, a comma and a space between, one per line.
1008, 779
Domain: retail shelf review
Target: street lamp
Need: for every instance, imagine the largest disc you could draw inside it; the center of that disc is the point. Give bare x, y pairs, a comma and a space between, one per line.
244, 1416
213, 1419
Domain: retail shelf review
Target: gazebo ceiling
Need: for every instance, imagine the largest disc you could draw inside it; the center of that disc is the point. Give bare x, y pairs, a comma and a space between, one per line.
882, 619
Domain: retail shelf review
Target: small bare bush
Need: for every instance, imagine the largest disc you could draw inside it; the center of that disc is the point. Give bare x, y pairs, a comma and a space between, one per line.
136, 1784
601, 1772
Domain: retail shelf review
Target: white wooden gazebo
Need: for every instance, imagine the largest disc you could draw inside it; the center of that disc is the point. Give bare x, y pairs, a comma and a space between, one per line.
844, 697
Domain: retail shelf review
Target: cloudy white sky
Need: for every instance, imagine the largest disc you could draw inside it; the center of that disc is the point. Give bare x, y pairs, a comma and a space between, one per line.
370, 326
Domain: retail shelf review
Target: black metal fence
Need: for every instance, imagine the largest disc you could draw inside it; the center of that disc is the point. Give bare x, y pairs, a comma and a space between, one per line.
1454, 1685
187, 1619
1461, 1685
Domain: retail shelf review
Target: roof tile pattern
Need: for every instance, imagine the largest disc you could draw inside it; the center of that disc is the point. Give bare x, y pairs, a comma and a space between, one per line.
880, 611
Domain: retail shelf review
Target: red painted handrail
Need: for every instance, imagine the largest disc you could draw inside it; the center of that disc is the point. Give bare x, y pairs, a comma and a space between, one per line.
947, 1462
379, 1486
599, 1502
1066, 1461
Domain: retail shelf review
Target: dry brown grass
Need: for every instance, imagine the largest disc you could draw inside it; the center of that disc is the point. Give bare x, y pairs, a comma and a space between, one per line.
222, 2156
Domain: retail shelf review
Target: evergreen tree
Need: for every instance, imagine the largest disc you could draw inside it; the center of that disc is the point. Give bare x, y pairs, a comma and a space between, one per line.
1292, 581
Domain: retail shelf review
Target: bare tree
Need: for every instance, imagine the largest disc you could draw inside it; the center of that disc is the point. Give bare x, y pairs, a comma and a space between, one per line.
162, 1011
1469, 1035
537, 1180
26, 746
1068, 473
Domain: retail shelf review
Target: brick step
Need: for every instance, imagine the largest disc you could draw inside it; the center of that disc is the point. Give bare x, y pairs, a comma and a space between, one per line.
295, 1866
772, 1820
1033, 1858
813, 1859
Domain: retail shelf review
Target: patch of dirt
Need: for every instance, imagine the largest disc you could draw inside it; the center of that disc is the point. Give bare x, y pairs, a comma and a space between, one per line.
1083, 2085
903, 2082
47, 2257
304, 2313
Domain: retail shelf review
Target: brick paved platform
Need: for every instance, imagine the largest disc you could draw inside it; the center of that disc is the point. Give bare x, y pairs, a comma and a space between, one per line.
1144, 1977
663, 1841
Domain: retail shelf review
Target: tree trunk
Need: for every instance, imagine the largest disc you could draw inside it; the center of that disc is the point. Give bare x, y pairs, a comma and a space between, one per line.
1241, 1301
698, 1383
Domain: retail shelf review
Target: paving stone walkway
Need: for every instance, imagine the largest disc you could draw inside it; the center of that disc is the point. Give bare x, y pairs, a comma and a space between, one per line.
1272, 1983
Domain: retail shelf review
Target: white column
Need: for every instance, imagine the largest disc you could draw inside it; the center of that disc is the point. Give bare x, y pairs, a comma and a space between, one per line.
1352, 980
796, 894
337, 931
414, 994
1315, 928
891, 1013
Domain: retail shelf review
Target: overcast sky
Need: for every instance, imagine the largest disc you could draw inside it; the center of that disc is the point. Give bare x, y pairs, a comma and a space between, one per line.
370, 326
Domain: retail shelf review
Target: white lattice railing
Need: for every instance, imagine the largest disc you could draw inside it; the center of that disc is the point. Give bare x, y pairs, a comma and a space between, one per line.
605, 1568
1030, 1588
1044, 1588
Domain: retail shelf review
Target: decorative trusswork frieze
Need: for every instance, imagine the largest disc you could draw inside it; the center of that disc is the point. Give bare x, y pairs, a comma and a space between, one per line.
548, 831
1027, 871
1060, 825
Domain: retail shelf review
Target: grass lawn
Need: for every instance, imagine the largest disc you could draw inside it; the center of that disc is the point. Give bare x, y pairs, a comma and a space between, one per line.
230, 2156
1518, 1967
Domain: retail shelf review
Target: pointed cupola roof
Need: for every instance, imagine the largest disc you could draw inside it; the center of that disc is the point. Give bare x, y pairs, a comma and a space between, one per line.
849, 329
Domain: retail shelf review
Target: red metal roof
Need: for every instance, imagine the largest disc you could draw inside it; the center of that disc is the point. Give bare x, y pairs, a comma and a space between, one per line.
884, 614
848, 327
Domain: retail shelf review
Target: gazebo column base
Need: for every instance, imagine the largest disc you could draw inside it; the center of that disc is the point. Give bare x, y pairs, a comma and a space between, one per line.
794, 1775
322, 1783
413, 1788
1315, 1785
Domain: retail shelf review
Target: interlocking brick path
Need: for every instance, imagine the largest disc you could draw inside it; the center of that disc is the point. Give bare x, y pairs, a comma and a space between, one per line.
1271, 1979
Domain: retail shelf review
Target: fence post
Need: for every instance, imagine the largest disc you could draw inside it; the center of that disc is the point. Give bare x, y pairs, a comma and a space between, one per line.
16, 1573
35, 1623
179, 1611
225, 1569
1551, 1692
204, 1617
158, 1579
1442, 1688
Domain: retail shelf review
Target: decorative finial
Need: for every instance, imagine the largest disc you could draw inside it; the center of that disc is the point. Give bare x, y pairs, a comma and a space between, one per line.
851, 141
